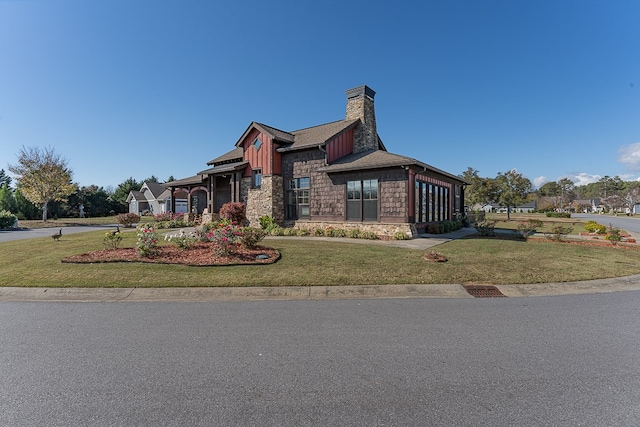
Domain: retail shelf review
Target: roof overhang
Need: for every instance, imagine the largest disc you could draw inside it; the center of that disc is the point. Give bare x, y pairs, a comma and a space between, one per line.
192, 180
221, 169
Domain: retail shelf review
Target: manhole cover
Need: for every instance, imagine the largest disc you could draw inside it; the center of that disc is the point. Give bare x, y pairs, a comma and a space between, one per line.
484, 291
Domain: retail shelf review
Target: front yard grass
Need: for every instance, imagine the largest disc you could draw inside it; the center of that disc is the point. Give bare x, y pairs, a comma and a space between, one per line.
66, 222
36, 262
547, 222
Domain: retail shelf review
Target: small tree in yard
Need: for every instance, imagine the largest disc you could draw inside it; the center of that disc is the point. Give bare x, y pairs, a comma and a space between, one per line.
511, 189
43, 176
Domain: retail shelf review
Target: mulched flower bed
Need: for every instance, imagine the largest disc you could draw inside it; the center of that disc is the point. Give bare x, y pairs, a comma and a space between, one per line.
200, 254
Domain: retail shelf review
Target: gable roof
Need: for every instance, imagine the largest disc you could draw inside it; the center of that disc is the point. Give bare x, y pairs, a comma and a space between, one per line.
317, 135
155, 189
275, 134
233, 155
376, 159
136, 195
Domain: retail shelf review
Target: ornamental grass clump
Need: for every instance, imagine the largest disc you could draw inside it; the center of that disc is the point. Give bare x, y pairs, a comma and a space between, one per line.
183, 240
147, 244
251, 236
558, 233
486, 228
613, 235
526, 229
226, 240
112, 239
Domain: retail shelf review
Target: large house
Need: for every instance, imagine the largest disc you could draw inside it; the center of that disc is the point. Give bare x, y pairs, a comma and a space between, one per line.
335, 174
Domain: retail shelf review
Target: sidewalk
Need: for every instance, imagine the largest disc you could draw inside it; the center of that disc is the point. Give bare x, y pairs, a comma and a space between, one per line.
299, 293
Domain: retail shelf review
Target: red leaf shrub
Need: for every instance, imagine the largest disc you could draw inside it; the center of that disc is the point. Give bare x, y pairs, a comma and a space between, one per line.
128, 219
234, 211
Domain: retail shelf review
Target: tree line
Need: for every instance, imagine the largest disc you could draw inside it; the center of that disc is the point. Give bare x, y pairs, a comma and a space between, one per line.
44, 189
511, 189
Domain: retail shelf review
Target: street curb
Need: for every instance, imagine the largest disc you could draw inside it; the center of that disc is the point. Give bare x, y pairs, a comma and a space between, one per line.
298, 293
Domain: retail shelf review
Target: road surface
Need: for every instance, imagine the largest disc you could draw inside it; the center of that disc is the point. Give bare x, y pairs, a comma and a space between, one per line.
562, 361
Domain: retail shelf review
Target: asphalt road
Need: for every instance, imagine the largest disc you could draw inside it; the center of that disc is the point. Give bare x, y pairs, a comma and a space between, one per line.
562, 361
30, 233
630, 224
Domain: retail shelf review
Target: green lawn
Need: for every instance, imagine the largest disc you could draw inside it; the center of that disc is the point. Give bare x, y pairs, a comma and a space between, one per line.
548, 223
36, 262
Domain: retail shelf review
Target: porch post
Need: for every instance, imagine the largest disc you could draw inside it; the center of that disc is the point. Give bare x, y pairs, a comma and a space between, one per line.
411, 209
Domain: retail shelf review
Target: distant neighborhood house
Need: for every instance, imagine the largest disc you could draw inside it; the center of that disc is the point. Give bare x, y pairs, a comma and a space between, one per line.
154, 199
587, 205
497, 208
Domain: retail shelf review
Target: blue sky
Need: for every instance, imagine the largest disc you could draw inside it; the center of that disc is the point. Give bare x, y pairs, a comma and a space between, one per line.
125, 88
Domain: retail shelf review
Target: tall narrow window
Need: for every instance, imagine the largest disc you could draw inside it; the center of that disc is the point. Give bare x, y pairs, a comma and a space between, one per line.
298, 198
418, 202
256, 178
354, 200
362, 200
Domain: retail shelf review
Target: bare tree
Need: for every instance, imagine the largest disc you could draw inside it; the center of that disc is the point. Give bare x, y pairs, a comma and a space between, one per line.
632, 197
43, 176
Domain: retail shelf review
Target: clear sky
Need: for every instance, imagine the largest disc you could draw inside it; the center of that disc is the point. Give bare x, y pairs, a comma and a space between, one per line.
124, 88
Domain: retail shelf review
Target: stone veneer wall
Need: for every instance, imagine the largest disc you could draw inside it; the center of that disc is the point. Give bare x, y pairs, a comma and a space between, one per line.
266, 200
360, 106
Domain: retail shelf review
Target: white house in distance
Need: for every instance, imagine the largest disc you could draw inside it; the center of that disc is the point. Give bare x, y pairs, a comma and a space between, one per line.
154, 199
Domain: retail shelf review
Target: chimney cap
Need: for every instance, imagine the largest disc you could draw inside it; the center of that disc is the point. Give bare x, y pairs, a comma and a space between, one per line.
358, 92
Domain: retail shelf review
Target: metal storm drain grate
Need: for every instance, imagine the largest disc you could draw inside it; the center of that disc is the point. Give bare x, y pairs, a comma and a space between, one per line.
484, 291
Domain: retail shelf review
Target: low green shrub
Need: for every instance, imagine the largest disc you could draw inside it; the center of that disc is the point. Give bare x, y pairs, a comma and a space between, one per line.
613, 235
354, 233
401, 235
594, 227
267, 222
339, 232
558, 214
251, 236
289, 232
276, 231
7, 219
369, 235
526, 229
486, 228
302, 232
558, 232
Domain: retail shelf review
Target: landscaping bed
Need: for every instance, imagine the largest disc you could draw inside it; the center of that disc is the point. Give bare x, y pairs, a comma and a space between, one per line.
200, 254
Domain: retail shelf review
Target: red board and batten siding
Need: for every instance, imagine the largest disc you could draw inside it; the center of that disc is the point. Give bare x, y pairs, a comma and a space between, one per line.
340, 146
266, 158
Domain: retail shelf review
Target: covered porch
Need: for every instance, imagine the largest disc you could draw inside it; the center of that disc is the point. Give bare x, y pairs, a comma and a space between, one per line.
209, 190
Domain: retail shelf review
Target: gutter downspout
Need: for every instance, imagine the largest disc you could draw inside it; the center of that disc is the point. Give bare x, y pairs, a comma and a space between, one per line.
321, 148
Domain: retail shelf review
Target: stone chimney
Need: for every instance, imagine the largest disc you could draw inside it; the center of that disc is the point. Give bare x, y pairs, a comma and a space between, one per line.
360, 106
